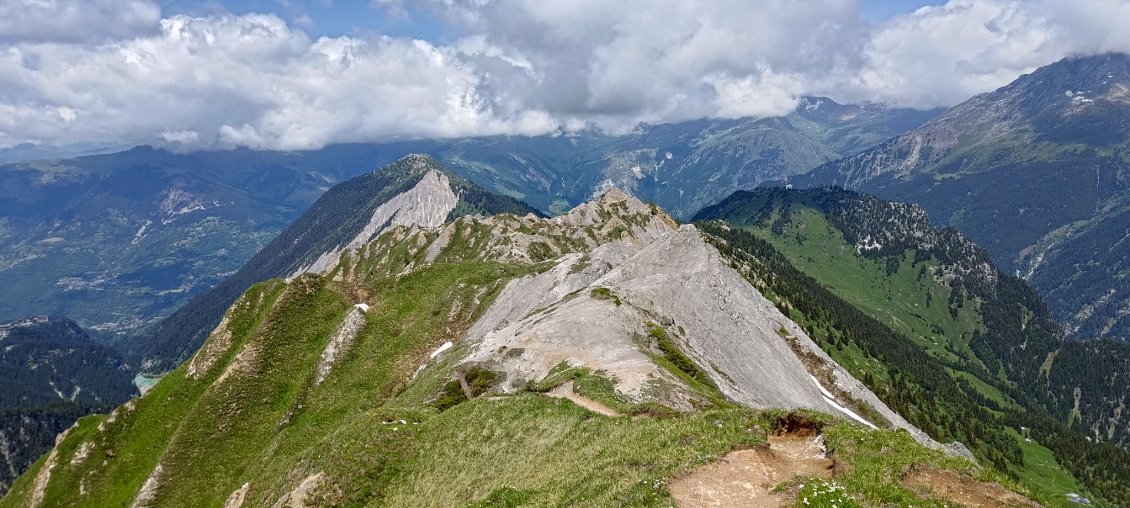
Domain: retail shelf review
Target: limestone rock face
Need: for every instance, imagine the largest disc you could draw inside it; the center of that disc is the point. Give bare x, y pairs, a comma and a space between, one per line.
594, 309
426, 205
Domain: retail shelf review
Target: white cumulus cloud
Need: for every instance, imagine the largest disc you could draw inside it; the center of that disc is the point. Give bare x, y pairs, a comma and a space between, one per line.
76, 20
99, 71
244, 81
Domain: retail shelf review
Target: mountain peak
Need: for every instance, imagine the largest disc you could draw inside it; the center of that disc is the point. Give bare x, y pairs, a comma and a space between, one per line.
1072, 81
412, 164
419, 160
617, 195
1097, 67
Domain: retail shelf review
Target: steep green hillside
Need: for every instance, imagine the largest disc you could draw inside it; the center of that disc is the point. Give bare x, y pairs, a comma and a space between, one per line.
1038, 173
281, 406
941, 308
335, 219
80, 368
53, 372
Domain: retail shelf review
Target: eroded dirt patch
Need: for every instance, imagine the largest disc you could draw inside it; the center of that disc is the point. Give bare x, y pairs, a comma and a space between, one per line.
565, 391
745, 478
929, 481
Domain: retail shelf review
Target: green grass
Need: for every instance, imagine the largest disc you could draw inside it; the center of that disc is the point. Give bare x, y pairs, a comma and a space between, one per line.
899, 299
244, 414
369, 428
690, 373
478, 380
556, 453
991, 392
130, 447
1044, 475
605, 294
877, 460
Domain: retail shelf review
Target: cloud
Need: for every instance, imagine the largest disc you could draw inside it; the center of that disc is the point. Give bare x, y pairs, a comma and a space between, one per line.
73, 21
103, 71
942, 55
620, 63
244, 81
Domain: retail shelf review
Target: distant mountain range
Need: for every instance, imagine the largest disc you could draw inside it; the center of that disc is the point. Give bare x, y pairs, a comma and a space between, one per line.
1038, 172
911, 326
116, 241
429, 358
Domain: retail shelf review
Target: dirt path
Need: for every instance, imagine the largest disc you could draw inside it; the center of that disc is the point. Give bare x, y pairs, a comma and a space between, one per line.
565, 391
745, 478
970, 492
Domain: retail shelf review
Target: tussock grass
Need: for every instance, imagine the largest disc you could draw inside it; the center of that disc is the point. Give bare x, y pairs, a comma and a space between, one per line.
875, 461
555, 453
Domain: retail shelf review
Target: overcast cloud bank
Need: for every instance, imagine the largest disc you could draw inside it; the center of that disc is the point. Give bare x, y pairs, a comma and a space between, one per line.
113, 71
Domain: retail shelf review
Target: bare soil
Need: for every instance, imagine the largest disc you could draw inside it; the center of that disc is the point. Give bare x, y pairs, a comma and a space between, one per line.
745, 478
966, 490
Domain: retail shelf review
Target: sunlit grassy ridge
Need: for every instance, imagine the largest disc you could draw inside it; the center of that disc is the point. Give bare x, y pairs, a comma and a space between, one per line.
901, 290
368, 434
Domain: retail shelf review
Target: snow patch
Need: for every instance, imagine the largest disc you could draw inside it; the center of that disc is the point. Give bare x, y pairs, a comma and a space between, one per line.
439, 351
831, 400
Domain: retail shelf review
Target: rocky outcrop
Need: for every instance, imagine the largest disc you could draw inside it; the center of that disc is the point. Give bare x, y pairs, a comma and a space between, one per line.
212, 350
594, 309
425, 205
340, 342
300, 496
148, 492
237, 497
39, 487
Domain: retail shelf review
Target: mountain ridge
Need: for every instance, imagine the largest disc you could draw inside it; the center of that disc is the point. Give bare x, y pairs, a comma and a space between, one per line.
465, 326
118, 241
1037, 172
345, 215
935, 291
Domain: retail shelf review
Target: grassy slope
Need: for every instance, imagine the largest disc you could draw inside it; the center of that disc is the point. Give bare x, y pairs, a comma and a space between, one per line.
899, 299
134, 441
371, 432
1044, 475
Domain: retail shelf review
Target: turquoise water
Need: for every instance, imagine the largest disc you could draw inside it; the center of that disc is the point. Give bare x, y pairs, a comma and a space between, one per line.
144, 382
